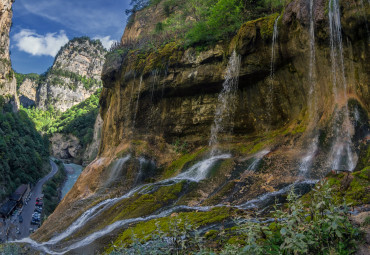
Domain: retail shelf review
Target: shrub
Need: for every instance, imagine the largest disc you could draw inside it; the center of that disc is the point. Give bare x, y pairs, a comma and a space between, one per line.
319, 227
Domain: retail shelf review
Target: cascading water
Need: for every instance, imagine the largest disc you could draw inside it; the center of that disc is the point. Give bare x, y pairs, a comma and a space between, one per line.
274, 40
137, 102
257, 159
342, 155
195, 173
116, 168
200, 170
155, 81
272, 70
270, 198
306, 161
142, 161
227, 98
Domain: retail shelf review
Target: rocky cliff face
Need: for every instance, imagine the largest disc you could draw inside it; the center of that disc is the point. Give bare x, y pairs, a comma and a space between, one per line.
74, 76
93, 148
8, 85
162, 106
68, 147
27, 93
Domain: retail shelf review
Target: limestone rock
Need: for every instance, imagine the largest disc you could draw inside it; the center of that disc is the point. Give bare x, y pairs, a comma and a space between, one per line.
27, 93
74, 76
8, 85
93, 148
65, 146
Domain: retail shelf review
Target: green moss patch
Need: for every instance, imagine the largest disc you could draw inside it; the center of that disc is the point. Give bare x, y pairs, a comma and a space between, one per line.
196, 219
179, 164
353, 188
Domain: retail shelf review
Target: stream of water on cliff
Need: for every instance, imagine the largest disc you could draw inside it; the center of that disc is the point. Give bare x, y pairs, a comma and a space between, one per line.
137, 102
116, 169
195, 173
307, 160
223, 121
270, 95
342, 155
257, 159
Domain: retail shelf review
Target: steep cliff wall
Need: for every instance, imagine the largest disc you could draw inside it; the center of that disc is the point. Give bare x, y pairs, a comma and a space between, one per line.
74, 76
8, 84
27, 92
161, 105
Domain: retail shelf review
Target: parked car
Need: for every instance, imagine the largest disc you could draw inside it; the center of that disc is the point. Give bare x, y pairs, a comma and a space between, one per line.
20, 218
39, 203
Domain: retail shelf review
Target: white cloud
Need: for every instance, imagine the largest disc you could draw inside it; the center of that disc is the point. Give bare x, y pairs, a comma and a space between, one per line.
106, 41
39, 45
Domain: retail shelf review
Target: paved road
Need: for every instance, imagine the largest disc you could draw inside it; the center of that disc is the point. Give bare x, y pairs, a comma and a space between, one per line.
30, 207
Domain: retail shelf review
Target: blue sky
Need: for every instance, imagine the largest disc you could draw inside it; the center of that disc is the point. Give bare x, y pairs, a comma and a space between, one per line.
41, 27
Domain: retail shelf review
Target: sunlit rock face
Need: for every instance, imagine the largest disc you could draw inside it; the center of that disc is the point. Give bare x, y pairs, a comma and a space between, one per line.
8, 84
74, 76
162, 106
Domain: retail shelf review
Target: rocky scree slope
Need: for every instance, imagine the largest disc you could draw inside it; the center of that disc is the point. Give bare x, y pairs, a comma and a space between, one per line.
160, 106
8, 84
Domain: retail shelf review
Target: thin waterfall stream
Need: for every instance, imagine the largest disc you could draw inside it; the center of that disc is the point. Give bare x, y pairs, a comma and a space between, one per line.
223, 121
137, 102
342, 155
307, 160
270, 95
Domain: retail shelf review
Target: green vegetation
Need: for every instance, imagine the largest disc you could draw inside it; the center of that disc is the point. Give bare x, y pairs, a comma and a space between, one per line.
182, 161
352, 187
78, 120
23, 151
56, 75
195, 23
51, 190
22, 77
321, 228
182, 221
96, 43
10, 249
204, 22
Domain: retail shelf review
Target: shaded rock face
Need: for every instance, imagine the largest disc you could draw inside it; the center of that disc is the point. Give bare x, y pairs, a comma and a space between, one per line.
65, 146
74, 76
69, 148
93, 148
158, 110
8, 84
27, 93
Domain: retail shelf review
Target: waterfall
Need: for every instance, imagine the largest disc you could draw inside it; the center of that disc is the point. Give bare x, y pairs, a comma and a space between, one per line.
200, 170
257, 159
272, 70
142, 161
155, 81
306, 161
270, 198
223, 121
116, 169
274, 39
137, 102
341, 154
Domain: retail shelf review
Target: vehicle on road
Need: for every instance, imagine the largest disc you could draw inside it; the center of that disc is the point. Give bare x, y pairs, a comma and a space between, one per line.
20, 218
